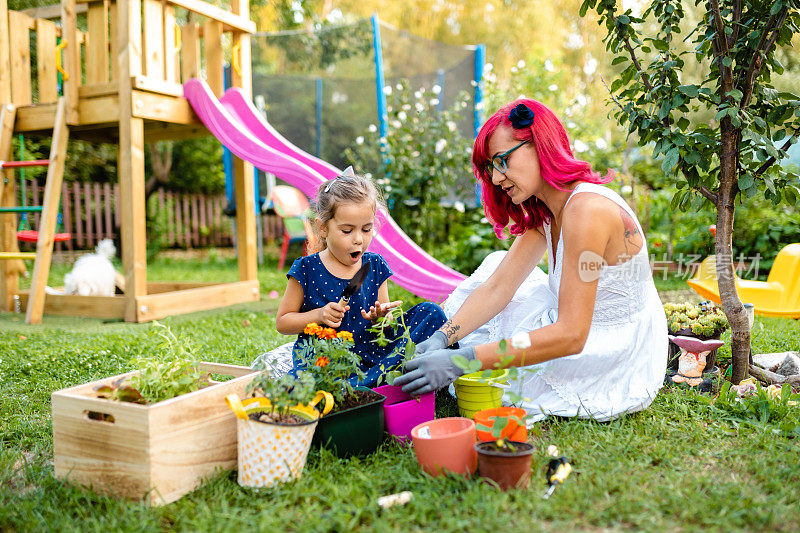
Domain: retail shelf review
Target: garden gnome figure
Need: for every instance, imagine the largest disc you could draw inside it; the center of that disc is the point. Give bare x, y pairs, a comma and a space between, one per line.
692, 360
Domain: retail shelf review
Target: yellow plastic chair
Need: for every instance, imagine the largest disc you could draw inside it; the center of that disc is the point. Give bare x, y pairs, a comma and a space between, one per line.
778, 296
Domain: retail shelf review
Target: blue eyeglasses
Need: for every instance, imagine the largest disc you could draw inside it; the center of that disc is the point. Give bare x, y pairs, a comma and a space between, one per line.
500, 161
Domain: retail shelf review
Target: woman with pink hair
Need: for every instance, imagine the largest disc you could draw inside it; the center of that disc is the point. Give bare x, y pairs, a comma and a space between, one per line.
590, 337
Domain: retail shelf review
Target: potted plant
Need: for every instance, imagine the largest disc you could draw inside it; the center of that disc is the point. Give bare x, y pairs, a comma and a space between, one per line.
275, 428
703, 321
502, 461
153, 434
401, 411
355, 426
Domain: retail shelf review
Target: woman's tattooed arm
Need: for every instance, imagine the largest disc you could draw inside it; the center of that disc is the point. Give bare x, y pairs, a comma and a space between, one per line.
451, 331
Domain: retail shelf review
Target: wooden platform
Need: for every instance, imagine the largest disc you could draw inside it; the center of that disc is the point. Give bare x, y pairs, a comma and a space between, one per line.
163, 299
166, 114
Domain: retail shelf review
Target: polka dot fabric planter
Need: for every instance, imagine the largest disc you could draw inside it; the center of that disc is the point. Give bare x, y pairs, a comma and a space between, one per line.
273, 453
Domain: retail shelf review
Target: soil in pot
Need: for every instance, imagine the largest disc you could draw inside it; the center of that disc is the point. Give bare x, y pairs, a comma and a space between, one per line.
358, 398
509, 467
285, 420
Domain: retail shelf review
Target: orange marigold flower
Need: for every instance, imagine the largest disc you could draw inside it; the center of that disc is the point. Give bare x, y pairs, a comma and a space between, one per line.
346, 335
326, 333
322, 361
312, 328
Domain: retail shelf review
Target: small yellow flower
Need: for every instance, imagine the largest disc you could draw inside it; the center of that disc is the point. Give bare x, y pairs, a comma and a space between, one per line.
346, 335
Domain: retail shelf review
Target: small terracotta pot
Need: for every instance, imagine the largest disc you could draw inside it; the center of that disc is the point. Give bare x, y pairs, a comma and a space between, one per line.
507, 469
513, 431
445, 445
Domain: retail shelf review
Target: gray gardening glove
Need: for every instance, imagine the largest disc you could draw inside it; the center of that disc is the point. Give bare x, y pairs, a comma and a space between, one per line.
433, 371
437, 341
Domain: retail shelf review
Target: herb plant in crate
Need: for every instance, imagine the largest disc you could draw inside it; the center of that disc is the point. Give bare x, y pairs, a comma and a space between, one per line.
154, 433
355, 426
704, 321
401, 411
275, 427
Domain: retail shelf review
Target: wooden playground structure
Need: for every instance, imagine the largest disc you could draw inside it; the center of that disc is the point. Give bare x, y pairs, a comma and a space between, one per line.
120, 81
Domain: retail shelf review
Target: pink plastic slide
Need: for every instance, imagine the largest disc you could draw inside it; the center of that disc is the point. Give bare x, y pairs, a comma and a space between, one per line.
242, 129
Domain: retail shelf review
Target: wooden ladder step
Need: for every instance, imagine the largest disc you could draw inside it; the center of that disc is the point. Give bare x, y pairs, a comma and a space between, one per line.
17, 255
21, 209
22, 164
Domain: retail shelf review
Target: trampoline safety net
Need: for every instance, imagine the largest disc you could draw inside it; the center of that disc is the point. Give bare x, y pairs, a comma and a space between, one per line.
318, 89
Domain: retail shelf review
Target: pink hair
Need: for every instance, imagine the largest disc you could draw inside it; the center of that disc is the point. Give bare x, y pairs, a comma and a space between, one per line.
558, 167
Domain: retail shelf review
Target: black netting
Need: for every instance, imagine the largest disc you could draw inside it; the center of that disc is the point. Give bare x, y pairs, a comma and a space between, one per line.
288, 68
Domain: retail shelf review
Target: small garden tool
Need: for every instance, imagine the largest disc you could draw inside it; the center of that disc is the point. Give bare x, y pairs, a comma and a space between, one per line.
557, 471
354, 284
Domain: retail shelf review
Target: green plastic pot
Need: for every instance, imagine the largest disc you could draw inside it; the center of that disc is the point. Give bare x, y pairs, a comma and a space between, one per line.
354, 431
475, 393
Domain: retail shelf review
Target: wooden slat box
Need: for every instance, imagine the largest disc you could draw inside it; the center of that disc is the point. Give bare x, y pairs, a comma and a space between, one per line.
155, 452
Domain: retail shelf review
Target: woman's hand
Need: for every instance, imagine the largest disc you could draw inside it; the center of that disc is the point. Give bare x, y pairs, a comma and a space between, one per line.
379, 310
437, 341
433, 371
332, 314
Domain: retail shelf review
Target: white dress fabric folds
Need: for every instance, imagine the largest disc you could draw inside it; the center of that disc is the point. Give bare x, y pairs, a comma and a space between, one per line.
622, 365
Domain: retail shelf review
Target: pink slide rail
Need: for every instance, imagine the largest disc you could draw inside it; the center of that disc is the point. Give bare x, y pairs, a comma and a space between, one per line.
242, 129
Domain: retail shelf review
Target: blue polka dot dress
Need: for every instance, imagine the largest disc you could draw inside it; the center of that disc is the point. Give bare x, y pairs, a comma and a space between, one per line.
320, 287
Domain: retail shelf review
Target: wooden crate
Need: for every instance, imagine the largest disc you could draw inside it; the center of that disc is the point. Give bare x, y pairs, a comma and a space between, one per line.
155, 452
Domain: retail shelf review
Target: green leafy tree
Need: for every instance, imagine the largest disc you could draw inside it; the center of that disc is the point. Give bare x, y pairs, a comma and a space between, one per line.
722, 133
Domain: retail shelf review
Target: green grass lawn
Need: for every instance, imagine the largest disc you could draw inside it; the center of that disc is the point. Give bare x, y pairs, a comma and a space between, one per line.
678, 465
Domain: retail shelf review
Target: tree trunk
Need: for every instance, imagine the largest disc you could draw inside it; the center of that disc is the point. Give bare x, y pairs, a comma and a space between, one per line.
731, 304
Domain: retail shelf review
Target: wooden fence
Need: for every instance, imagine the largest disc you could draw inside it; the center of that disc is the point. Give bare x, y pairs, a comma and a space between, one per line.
90, 212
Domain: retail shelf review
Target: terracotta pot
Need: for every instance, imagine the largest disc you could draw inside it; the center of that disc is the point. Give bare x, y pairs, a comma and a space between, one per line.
512, 431
507, 469
445, 445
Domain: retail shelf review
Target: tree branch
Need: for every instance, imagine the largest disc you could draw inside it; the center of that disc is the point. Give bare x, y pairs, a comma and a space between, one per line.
642, 73
764, 375
737, 16
773, 27
771, 161
709, 194
722, 47
610, 94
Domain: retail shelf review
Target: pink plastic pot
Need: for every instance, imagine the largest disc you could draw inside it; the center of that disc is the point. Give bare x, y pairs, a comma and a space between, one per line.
446, 445
403, 411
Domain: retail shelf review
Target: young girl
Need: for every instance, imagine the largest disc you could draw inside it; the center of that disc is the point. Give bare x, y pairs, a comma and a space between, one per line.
345, 225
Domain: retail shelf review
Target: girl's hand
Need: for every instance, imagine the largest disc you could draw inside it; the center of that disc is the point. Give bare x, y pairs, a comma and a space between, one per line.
379, 310
332, 314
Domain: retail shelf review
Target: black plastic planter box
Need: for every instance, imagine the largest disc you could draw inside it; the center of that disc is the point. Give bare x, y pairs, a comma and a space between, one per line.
354, 431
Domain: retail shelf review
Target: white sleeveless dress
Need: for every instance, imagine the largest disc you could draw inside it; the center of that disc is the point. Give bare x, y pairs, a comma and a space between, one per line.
623, 362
